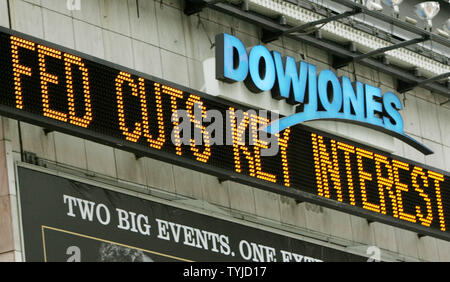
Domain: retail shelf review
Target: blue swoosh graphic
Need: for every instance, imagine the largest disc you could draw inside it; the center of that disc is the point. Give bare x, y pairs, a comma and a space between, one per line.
283, 123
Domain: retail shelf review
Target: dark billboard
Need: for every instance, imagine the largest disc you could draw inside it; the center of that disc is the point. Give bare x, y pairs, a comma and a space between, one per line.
67, 220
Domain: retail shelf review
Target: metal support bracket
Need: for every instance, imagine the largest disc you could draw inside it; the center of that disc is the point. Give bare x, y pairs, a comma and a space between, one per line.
192, 7
47, 131
403, 86
222, 180
137, 8
339, 62
445, 102
30, 157
269, 36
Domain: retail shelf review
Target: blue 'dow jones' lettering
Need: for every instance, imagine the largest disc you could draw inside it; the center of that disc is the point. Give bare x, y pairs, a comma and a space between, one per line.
321, 96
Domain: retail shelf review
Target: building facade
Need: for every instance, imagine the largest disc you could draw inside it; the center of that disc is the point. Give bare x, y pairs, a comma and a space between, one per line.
158, 39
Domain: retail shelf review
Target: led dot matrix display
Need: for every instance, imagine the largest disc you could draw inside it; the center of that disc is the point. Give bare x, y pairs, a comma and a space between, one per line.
76, 94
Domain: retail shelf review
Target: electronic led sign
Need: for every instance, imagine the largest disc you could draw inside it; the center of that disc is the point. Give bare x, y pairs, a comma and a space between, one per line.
68, 220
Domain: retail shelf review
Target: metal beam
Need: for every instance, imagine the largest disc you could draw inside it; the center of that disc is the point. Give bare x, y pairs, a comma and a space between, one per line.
342, 62
323, 21
47, 131
137, 7
403, 86
435, 78
331, 47
272, 36
192, 7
